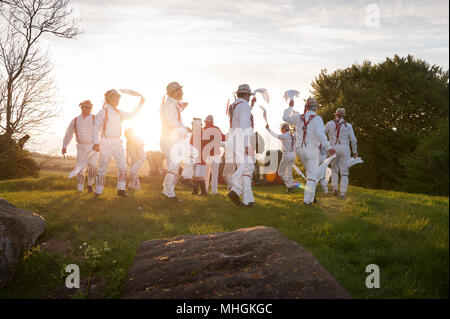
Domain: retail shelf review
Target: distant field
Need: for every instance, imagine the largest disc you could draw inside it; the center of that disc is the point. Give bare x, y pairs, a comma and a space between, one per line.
406, 235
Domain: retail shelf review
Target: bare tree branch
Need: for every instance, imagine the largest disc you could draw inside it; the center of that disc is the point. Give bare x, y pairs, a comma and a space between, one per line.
26, 86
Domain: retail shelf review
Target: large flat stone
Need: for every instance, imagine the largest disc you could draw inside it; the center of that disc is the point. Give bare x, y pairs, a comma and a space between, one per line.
19, 230
257, 262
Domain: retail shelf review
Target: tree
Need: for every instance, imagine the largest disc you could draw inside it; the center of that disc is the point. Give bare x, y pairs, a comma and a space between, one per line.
391, 105
427, 167
26, 87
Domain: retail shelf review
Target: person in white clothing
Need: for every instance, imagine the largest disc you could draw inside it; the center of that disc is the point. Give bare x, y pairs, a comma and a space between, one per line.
241, 129
324, 180
82, 127
311, 133
135, 157
172, 132
341, 135
107, 141
288, 158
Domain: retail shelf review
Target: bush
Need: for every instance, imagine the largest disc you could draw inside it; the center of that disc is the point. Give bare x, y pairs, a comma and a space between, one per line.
427, 167
15, 162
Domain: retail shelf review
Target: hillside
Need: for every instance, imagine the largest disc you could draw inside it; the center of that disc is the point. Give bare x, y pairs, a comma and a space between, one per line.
406, 235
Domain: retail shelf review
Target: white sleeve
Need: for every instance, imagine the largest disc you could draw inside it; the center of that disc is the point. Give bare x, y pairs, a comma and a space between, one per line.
353, 141
69, 134
291, 119
98, 125
130, 115
279, 136
327, 128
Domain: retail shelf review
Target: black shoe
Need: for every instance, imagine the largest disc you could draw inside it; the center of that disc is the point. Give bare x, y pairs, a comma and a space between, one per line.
122, 193
335, 193
186, 182
249, 205
234, 198
174, 199
90, 189
307, 204
96, 195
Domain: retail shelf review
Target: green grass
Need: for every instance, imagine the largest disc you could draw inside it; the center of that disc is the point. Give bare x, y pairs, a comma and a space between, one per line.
406, 235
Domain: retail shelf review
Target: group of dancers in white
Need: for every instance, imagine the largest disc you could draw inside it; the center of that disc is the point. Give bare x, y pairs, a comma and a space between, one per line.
197, 149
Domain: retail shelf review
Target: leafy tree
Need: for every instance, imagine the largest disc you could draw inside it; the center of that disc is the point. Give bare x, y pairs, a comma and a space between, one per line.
391, 105
427, 168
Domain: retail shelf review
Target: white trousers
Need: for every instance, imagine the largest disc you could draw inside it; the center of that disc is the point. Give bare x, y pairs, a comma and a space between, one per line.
310, 159
285, 169
212, 173
111, 147
173, 165
242, 181
340, 166
227, 173
323, 181
134, 174
82, 152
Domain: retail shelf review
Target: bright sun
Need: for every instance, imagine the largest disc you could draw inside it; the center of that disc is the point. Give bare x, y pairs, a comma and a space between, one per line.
146, 124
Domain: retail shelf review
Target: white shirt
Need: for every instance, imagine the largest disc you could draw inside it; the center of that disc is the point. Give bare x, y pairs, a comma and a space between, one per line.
113, 127
315, 131
286, 139
171, 120
242, 115
84, 129
346, 134
241, 118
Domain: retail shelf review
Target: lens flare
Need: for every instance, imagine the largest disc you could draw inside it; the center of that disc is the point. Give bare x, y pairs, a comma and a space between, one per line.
298, 185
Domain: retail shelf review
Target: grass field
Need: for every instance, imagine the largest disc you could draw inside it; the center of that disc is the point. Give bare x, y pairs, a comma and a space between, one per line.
406, 235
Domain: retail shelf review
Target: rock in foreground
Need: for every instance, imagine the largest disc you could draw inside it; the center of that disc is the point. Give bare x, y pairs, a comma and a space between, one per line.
257, 262
19, 230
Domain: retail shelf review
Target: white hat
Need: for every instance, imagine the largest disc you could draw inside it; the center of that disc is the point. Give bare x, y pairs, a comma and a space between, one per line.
172, 86
340, 110
87, 103
111, 93
244, 88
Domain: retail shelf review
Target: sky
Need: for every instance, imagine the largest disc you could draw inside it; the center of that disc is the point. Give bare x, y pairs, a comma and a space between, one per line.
212, 46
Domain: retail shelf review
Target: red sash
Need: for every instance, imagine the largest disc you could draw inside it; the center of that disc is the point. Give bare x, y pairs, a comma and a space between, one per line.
338, 129
305, 125
231, 110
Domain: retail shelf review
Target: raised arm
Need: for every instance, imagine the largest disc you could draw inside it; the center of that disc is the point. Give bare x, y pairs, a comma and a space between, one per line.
69, 135
290, 118
274, 134
135, 112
